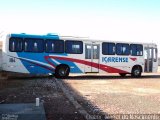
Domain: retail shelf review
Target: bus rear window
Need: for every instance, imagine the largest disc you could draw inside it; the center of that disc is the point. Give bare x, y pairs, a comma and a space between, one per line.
33, 45
15, 44
74, 47
54, 46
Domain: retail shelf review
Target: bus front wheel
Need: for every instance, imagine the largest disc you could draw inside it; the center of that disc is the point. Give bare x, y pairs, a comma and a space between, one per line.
62, 71
136, 71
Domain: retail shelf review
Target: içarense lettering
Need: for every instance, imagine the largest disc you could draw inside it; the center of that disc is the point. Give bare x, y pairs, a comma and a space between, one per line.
114, 59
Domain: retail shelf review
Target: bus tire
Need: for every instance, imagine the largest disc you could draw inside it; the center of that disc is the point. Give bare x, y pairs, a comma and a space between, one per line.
136, 71
62, 71
122, 74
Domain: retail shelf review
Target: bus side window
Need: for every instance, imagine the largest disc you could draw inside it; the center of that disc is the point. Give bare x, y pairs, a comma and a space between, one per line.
122, 49
74, 47
108, 48
136, 50
54, 46
139, 50
33, 45
15, 44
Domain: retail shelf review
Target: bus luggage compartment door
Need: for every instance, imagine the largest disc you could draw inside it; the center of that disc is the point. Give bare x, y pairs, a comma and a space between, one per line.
92, 56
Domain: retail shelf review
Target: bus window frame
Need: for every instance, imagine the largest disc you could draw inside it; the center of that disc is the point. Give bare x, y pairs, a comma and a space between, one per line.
114, 47
35, 39
18, 40
54, 41
136, 49
122, 48
81, 47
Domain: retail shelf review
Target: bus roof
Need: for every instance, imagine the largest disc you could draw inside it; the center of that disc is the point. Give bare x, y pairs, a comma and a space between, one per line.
100, 40
55, 36
48, 36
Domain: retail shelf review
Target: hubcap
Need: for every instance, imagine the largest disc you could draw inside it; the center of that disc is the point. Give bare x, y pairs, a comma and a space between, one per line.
137, 72
62, 72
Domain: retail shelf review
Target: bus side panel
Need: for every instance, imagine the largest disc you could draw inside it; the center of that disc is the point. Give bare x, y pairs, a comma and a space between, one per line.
10, 63
124, 64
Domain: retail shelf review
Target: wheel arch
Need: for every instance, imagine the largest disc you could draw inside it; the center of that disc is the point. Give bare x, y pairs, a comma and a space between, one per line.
137, 65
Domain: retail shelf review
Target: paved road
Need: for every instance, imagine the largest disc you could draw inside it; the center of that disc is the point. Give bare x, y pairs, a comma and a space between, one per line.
93, 95
113, 94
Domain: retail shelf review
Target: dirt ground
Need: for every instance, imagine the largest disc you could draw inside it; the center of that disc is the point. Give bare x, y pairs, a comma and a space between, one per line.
25, 90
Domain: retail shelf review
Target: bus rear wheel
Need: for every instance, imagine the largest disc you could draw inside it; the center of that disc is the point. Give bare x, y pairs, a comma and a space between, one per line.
62, 71
122, 74
136, 71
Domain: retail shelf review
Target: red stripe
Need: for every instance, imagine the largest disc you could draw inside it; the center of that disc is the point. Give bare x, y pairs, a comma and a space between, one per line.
134, 59
46, 58
92, 64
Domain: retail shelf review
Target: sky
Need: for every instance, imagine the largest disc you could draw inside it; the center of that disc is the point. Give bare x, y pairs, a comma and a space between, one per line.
120, 20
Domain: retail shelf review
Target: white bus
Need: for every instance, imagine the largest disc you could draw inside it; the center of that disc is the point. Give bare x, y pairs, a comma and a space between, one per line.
53, 54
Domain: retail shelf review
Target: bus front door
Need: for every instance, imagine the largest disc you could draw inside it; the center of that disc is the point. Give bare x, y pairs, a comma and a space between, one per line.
92, 56
151, 59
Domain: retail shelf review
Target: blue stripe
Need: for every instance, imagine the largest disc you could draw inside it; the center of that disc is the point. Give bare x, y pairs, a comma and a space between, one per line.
40, 56
36, 36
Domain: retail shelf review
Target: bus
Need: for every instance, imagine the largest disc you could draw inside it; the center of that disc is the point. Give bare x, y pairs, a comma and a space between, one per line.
62, 55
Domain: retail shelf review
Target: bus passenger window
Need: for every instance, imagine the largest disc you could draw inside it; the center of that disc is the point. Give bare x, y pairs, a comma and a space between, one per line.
33, 45
108, 48
122, 49
139, 50
136, 50
15, 44
54, 46
74, 47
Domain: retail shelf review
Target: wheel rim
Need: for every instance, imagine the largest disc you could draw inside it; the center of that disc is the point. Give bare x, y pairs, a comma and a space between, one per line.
136, 72
62, 72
